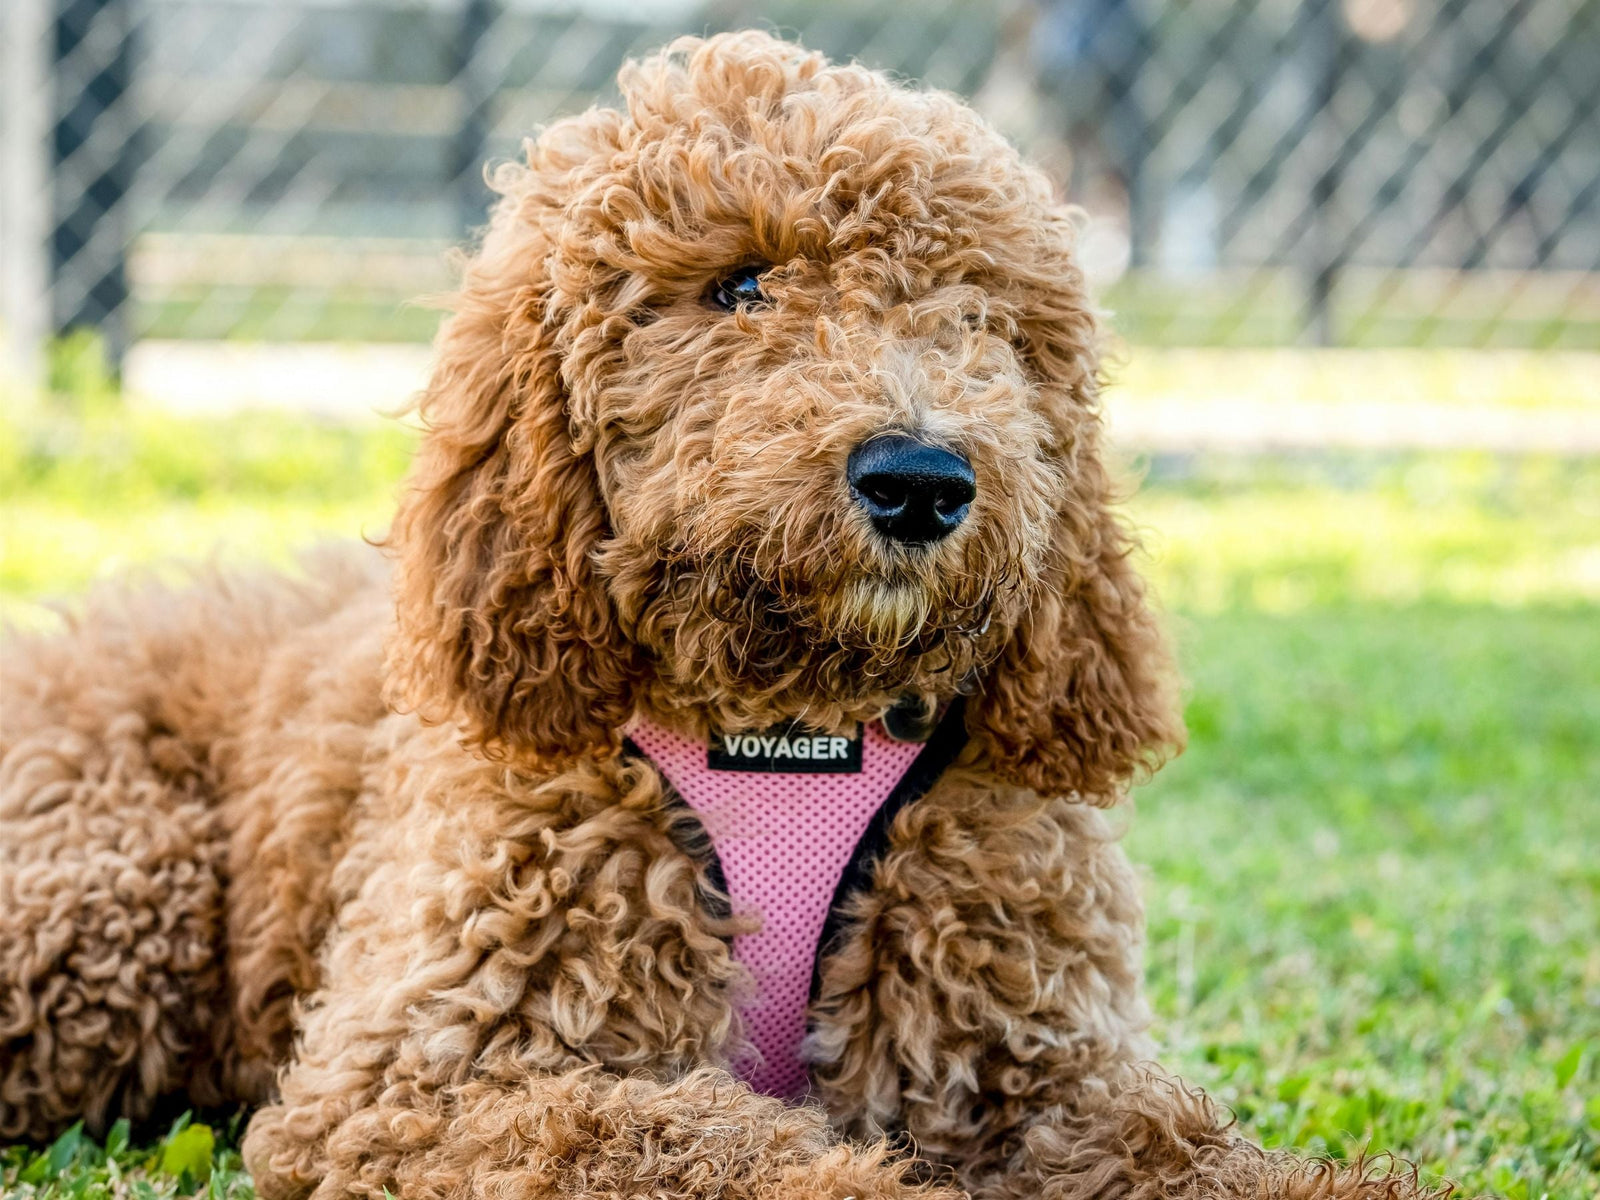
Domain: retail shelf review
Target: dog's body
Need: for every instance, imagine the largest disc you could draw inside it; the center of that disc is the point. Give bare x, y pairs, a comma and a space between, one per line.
370, 851
497, 932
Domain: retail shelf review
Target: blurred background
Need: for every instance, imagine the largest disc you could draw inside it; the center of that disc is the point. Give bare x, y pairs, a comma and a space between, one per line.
1350, 253
1334, 172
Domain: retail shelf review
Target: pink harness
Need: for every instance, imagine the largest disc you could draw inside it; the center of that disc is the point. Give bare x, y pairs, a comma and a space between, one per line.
789, 820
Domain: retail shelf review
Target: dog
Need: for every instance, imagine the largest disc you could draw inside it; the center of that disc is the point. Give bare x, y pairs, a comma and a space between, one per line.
758, 580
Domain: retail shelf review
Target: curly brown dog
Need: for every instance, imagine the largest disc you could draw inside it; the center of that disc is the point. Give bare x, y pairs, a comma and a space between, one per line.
771, 398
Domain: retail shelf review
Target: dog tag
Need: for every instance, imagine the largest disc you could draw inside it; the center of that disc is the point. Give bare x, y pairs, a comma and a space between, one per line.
791, 748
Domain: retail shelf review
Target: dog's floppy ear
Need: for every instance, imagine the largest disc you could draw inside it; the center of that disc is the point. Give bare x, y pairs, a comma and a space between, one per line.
1083, 697
503, 626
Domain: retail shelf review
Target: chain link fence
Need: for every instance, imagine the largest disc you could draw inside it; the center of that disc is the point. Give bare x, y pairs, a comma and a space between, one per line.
1358, 172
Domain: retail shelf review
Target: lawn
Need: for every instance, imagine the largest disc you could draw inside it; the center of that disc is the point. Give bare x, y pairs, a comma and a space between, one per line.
1373, 882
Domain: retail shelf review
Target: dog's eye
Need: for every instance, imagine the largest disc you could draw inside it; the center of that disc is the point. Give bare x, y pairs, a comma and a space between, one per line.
743, 287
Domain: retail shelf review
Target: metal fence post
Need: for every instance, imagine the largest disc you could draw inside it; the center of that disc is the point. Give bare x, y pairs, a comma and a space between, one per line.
1327, 254
92, 167
476, 86
24, 188
1129, 128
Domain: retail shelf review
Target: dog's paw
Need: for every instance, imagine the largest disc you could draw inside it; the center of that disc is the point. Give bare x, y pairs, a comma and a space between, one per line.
849, 1173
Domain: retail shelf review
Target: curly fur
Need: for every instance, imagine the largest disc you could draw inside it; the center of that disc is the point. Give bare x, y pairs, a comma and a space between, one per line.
361, 849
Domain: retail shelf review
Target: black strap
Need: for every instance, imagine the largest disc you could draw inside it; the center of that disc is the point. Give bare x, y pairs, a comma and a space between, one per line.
940, 751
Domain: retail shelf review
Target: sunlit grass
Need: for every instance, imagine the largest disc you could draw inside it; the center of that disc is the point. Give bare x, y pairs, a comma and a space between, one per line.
1516, 379
1286, 535
87, 497
1373, 885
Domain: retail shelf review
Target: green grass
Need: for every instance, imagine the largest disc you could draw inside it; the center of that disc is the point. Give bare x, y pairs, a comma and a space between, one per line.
191, 1159
281, 313
1504, 378
1284, 535
1374, 893
1367, 309
88, 496
1373, 883
1254, 308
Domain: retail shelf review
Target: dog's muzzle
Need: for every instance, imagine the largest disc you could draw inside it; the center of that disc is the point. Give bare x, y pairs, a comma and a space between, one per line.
914, 493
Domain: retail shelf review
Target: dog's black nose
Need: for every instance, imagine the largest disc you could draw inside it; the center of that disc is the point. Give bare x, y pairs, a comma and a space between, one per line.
915, 493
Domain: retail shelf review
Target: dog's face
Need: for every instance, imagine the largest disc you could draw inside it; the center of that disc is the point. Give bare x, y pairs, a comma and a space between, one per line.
830, 469
771, 398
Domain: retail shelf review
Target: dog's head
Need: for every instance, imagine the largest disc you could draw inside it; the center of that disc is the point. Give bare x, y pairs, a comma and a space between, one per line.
773, 396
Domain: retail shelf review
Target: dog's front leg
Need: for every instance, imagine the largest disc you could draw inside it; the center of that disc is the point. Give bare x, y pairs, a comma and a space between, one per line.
523, 996
1150, 1136
579, 1134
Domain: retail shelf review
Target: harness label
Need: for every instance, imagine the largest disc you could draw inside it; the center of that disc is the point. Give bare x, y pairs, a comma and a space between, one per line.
792, 748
